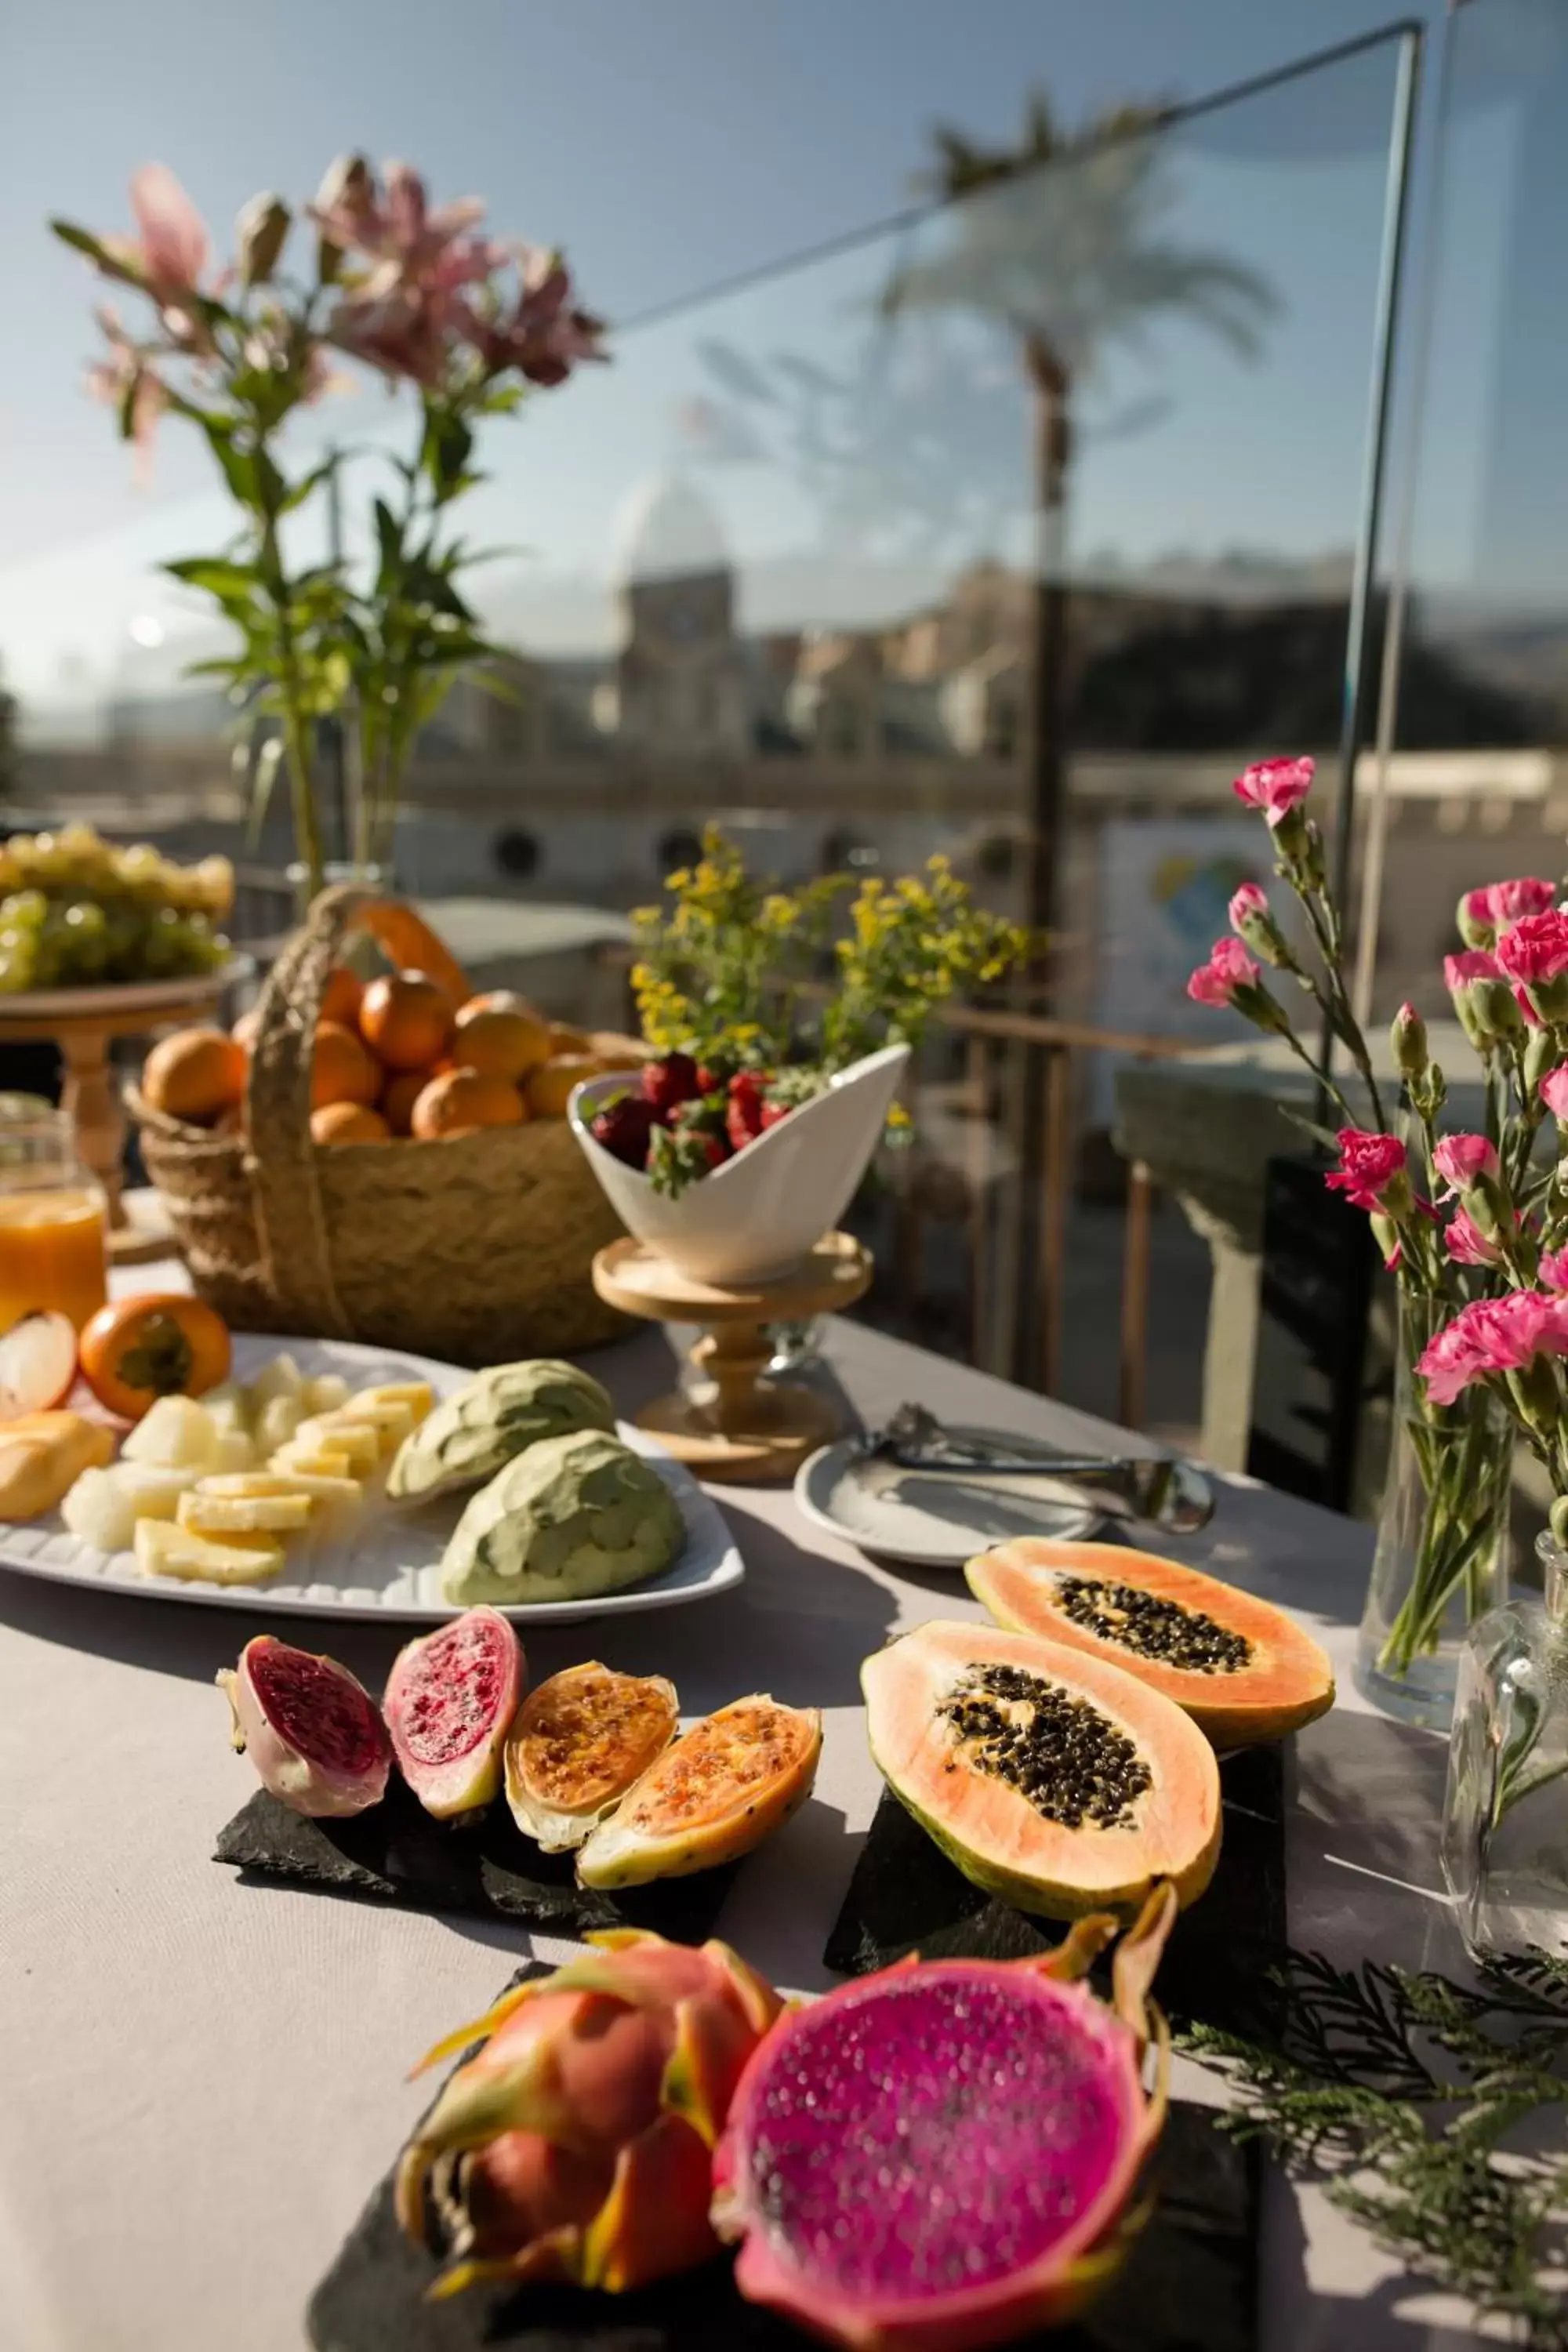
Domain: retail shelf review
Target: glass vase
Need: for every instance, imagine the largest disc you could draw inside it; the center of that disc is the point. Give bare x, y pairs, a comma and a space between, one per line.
1505, 1846
1441, 1560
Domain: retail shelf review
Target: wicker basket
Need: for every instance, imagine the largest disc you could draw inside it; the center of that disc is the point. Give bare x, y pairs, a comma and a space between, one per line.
476, 1249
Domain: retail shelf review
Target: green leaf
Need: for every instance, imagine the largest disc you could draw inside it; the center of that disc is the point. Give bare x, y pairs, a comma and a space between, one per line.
263, 776
389, 538
83, 241
238, 467
444, 454
233, 584
311, 481
1323, 1135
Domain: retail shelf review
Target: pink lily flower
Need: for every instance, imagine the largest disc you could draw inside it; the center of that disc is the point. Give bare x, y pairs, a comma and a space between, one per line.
170, 253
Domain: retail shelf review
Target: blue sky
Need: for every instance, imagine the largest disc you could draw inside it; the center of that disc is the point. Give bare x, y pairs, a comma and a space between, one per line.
670, 144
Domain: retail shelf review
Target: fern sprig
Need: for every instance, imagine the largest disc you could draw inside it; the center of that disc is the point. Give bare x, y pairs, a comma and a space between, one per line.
1406, 2095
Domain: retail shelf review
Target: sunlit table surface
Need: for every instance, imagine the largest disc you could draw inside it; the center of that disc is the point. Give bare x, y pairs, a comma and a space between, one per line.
203, 2080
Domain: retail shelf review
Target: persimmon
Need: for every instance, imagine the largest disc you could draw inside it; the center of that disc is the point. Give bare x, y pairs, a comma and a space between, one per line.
466, 1099
194, 1073
162, 1343
405, 1019
347, 1122
344, 1069
501, 1040
341, 997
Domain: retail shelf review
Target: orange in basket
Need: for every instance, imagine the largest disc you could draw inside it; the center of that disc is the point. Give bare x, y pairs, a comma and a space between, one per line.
466, 1099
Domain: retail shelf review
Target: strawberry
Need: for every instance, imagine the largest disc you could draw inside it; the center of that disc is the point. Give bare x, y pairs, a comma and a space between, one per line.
623, 1126
774, 1111
744, 1112
670, 1082
681, 1152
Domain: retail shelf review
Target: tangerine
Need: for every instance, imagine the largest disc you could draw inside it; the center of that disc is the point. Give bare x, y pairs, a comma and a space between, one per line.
342, 996
548, 1090
347, 1122
194, 1073
503, 1041
345, 1068
405, 1019
399, 1097
466, 1099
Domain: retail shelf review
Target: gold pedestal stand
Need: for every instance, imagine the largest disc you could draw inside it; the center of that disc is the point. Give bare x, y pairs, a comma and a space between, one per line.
749, 1429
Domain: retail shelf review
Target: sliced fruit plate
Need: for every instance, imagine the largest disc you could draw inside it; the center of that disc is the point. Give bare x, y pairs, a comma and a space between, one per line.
378, 1560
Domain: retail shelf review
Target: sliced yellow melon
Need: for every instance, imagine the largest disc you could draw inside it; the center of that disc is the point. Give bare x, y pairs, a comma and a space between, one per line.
221, 1515
165, 1548
358, 1440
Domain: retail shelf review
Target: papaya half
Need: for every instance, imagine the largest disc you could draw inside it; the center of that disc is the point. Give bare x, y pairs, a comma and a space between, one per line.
1051, 1779
1242, 1669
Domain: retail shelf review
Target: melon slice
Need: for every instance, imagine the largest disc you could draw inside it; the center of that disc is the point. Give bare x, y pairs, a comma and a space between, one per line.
1051, 1779
1242, 1669
718, 1792
581, 1740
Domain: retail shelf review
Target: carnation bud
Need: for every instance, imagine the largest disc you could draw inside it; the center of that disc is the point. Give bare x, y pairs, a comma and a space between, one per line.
1540, 1054
1408, 1038
1550, 998
1474, 930
1386, 1234
1489, 1207
259, 234
1496, 1013
1535, 1390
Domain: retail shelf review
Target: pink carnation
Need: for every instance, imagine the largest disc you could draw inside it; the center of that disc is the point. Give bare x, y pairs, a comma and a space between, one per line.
1502, 903
1466, 1245
1554, 1269
1472, 964
1229, 967
1368, 1165
1460, 1159
1248, 904
1275, 786
1492, 1336
1534, 949
1554, 1091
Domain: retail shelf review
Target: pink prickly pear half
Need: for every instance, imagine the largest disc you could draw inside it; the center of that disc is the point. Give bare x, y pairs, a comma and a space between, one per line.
576, 2143
947, 2153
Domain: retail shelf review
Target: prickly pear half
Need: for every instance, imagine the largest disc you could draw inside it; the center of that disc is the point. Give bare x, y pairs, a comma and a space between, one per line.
945, 2155
313, 1733
576, 2143
448, 1702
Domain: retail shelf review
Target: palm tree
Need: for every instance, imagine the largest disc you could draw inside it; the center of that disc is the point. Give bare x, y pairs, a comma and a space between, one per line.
1057, 241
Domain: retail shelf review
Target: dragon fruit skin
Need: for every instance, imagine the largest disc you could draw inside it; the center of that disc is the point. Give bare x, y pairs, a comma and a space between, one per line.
942, 2156
576, 2143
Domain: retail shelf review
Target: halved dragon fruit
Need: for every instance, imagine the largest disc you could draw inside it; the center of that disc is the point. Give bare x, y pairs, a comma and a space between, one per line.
449, 1701
942, 2156
313, 1733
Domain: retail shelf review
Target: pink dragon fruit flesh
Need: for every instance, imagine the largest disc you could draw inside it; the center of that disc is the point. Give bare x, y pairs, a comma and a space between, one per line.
945, 2155
575, 2144
449, 1703
313, 1733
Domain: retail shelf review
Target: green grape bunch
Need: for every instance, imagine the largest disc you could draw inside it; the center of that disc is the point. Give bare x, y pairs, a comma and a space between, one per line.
82, 912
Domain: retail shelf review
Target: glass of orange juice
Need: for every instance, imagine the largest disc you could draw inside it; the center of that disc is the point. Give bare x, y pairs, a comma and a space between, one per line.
53, 1218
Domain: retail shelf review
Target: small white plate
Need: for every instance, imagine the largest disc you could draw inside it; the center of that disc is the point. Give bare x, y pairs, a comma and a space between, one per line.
388, 1566
932, 1522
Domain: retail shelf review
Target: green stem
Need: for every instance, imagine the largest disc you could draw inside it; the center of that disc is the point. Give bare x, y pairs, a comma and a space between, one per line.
296, 748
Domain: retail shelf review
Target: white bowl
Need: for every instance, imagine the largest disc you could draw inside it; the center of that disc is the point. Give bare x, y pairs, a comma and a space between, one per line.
756, 1217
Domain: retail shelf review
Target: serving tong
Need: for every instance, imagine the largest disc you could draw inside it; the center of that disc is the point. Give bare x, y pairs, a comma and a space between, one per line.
1161, 1488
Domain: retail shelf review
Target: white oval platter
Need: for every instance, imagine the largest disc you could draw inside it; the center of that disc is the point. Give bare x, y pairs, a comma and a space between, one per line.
388, 1566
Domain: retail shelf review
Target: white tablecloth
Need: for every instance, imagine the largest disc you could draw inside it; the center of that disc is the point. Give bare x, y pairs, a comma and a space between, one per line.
203, 2080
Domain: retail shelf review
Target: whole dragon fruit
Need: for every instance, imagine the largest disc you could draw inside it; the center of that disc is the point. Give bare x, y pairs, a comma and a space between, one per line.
945, 2155
577, 2143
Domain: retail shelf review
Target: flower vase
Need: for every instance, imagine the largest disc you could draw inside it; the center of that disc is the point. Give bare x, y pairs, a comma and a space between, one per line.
1504, 1854
1441, 1560
372, 877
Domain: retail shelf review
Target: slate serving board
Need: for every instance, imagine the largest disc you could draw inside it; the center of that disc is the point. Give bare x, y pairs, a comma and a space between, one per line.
395, 1852
905, 1896
1190, 2286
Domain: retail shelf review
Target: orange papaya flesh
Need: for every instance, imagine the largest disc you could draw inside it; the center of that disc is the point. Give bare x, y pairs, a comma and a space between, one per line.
1240, 1667
1052, 1779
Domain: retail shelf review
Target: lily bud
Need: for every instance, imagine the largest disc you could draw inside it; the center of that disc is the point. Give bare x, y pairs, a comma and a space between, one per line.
1408, 1039
260, 232
347, 193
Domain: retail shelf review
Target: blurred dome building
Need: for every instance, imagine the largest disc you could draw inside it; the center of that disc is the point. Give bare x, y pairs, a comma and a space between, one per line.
682, 680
